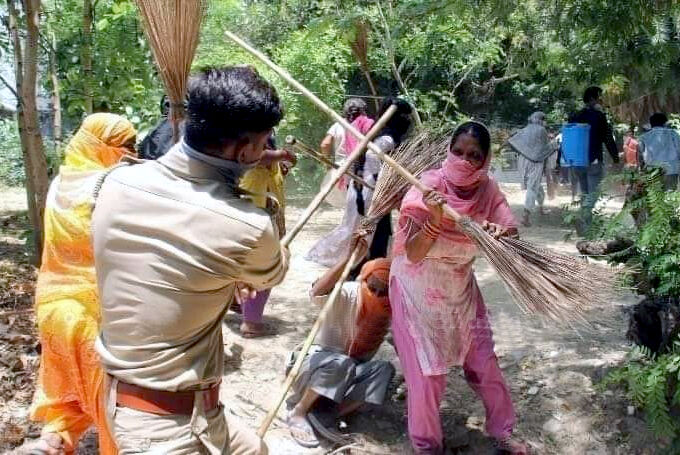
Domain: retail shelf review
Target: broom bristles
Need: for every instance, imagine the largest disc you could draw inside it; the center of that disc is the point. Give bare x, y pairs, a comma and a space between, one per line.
173, 28
558, 286
423, 152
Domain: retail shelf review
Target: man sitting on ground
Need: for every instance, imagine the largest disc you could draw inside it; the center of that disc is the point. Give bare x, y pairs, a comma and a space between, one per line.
339, 366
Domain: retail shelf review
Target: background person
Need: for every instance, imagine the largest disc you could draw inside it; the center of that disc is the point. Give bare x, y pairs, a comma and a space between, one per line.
589, 177
660, 147
533, 146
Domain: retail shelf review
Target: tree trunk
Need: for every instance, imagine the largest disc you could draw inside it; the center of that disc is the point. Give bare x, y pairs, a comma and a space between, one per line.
56, 95
371, 86
26, 68
389, 50
86, 55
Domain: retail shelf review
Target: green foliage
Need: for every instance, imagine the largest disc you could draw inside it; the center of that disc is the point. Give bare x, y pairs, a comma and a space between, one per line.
655, 254
651, 383
493, 60
126, 80
11, 161
11, 158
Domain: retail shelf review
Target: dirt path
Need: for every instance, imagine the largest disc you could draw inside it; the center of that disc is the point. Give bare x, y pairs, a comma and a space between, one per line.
551, 371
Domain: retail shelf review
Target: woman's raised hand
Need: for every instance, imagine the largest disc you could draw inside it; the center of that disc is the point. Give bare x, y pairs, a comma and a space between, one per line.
434, 201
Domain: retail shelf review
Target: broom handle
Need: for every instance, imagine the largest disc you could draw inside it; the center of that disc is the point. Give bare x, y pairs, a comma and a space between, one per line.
304, 148
307, 344
356, 153
321, 105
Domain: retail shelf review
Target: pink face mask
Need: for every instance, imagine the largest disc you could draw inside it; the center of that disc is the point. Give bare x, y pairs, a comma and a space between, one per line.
461, 173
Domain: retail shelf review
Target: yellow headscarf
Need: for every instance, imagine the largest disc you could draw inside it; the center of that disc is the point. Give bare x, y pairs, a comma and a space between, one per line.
99, 143
68, 265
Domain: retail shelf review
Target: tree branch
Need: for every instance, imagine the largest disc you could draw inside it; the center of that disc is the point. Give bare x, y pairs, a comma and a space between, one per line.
462, 79
389, 49
12, 89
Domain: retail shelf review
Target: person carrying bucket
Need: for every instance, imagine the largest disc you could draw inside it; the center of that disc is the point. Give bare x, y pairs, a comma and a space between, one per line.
590, 174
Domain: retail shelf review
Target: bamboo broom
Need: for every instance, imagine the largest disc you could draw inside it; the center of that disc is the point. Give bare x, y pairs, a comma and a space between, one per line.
541, 281
307, 150
420, 153
173, 28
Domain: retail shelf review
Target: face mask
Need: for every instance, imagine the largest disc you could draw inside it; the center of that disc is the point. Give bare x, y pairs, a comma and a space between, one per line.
462, 173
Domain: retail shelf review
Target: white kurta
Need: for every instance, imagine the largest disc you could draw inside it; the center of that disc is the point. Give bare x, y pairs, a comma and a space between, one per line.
330, 248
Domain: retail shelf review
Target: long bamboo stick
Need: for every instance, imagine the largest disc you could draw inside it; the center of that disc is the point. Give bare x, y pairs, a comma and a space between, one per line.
307, 150
325, 191
338, 118
307, 344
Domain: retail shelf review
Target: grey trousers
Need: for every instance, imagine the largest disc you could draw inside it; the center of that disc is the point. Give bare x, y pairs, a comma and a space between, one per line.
339, 377
533, 178
670, 182
589, 179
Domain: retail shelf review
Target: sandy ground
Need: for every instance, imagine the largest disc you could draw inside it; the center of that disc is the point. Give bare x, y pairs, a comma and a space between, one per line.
551, 371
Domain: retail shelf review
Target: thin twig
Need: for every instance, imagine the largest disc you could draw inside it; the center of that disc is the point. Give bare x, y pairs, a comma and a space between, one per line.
11, 89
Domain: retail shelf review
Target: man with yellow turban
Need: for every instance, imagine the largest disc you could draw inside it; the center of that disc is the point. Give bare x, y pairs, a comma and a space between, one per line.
67, 305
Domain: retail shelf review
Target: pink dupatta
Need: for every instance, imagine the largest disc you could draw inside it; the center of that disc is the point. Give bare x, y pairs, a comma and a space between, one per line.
364, 125
469, 191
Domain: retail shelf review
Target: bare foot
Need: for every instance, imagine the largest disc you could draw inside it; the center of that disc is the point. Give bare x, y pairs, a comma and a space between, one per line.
48, 444
302, 431
254, 329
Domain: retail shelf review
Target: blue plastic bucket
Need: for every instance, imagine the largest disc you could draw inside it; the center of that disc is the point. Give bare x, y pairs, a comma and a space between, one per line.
575, 144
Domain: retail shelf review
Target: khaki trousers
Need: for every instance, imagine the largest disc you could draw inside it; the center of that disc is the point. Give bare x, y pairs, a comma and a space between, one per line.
202, 432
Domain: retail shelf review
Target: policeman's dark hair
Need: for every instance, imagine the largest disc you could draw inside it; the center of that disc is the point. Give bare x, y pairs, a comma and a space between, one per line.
658, 119
224, 104
476, 130
591, 94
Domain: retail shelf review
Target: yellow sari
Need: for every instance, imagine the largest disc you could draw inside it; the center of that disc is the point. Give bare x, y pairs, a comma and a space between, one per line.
263, 180
68, 399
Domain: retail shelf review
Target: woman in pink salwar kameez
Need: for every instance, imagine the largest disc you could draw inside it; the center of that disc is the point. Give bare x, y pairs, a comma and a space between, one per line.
439, 317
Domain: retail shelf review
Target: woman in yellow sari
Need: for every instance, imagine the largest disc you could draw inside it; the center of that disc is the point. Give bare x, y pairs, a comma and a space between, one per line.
68, 398
266, 179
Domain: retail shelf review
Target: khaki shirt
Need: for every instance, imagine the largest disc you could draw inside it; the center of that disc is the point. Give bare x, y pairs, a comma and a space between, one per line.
171, 239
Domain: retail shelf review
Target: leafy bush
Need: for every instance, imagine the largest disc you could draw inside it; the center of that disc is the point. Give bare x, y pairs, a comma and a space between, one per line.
650, 380
652, 385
